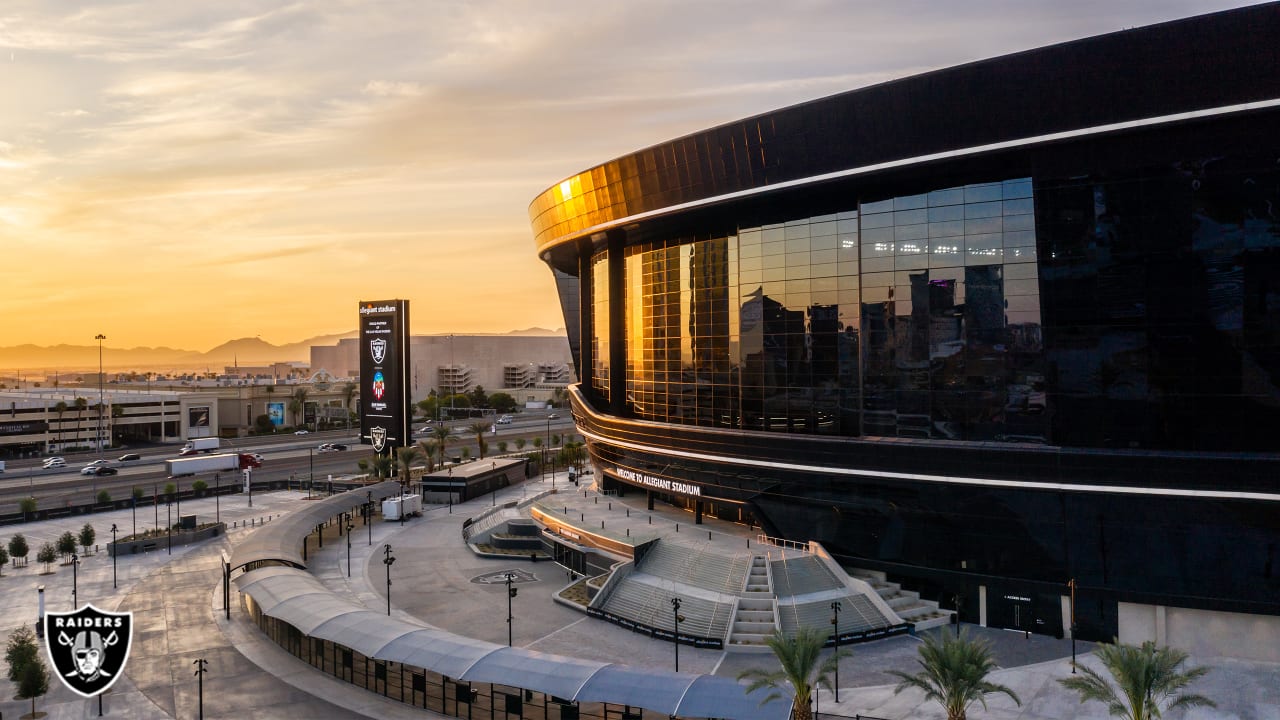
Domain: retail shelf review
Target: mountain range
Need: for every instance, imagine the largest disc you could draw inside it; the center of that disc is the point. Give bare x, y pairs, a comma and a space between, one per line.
37, 359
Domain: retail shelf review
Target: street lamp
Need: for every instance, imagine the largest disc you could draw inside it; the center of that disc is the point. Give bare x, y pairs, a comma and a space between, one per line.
100, 337
1072, 584
511, 592
217, 502
168, 515
368, 516
835, 633
202, 667
350, 527
75, 580
546, 445
675, 614
114, 552
388, 560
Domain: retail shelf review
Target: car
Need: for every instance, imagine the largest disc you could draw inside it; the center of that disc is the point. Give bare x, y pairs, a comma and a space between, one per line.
98, 470
98, 463
127, 457
504, 420
553, 416
53, 462
338, 446
301, 432
331, 447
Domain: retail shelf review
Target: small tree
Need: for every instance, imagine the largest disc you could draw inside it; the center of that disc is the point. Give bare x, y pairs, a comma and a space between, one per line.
87, 536
199, 486
502, 402
801, 671
502, 446
34, 682
953, 671
18, 549
27, 505
1148, 681
20, 651
170, 489
262, 424
66, 544
104, 497
137, 494
520, 443
47, 555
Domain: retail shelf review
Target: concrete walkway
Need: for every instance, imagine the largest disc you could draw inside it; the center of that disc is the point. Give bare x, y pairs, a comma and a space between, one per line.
177, 603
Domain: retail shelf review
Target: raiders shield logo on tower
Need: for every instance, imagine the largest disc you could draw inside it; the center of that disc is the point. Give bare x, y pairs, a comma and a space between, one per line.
378, 436
378, 347
89, 647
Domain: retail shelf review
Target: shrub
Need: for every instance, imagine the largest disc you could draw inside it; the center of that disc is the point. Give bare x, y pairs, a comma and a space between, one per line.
48, 553
22, 649
87, 536
137, 494
66, 543
104, 497
18, 546
27, 505
199, 486
170, 489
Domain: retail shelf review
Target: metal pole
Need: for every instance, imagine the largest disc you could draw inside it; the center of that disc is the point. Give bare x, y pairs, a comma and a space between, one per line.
114, 552
168, 514
217, 501
675, 612
350, 527
99, 337
1072, 585
202, 666
835, 632
368, 516
511, 592
75, 584
134, 495
388, 560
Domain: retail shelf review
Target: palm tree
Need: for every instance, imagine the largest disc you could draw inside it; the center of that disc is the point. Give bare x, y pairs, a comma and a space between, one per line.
480, 428
441, 433
349, 394
379, 465
298, 403
800, 673
60, 408
428, 448
81, 404
1148, 681
406, 457
954, 672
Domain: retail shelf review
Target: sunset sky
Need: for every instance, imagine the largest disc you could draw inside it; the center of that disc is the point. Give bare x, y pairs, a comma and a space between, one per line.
185, 173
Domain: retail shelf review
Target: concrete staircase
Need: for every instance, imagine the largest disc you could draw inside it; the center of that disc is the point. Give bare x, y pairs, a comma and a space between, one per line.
755, 617
923, 614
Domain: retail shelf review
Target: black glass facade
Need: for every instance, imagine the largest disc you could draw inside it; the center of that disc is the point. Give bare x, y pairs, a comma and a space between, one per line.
1036, 344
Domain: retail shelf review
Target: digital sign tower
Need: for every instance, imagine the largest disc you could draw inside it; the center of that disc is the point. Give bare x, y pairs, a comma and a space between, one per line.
385, 407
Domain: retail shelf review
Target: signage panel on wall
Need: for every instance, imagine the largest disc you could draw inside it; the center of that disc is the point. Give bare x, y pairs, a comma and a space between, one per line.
275, 413
385, 408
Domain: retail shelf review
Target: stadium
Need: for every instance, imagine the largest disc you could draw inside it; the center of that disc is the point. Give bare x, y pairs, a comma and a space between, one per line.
1007, 332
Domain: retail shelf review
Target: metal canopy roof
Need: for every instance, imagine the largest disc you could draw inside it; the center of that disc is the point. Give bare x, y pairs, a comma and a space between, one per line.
281, 540
296, 597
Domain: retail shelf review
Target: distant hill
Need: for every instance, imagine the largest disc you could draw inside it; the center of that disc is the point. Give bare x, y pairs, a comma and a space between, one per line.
242, 351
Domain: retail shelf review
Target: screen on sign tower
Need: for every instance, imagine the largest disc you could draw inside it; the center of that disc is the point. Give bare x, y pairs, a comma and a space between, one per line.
385, 408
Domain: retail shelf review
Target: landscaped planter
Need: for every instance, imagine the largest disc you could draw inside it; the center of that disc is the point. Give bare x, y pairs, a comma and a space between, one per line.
156, 542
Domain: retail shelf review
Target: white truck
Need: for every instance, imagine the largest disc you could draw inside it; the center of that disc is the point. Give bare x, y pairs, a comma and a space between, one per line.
226, 462
392, 507
204, 444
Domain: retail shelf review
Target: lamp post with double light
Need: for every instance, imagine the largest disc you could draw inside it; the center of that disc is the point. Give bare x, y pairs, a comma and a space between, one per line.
835, 634
677, 617
350, 526
368, 515
75, 581
511, 593
388, 559
115, 550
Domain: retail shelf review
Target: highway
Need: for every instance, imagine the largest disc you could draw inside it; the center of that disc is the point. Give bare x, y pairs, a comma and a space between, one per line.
284, 457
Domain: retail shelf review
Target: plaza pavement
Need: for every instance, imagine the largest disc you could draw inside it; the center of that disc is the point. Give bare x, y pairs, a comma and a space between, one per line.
178, 618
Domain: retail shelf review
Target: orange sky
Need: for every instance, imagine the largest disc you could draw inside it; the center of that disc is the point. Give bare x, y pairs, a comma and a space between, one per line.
182, 174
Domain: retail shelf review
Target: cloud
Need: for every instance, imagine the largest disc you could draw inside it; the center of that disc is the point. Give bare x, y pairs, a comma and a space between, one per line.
390, 88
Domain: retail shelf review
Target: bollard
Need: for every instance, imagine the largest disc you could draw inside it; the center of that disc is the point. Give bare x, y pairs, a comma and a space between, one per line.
677, 527
748, 542
582, 517
628, 512
566, 509
650, 519
610, 506
708, 534
628, 532
601, 524
597, 500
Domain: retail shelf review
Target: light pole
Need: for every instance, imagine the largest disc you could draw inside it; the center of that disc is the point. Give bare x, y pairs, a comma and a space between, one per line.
368, 516
217, 501
114, 553
511, 592
100, 337
75, 580
835, 633
546, 445
388, 560
675, 615
202, 667
1072, 584
350, 527
168, 516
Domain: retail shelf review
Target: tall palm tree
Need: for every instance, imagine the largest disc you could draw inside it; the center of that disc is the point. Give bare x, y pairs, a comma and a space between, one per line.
480, 428
81, 404
801, 672
441, 433
1148, 681
380, 465
953, 671
60, 408
298, 403
349, 394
